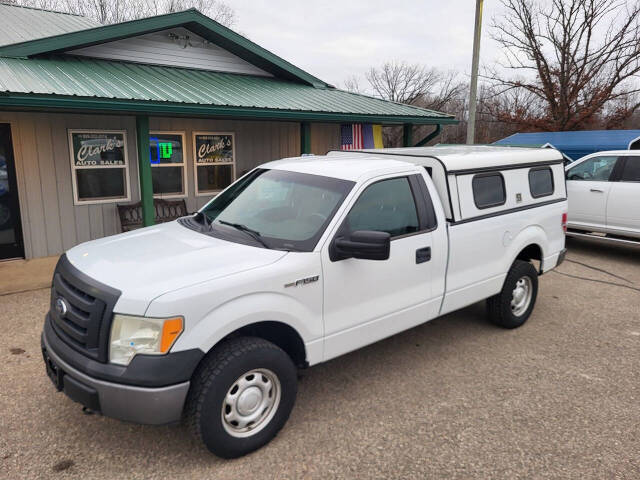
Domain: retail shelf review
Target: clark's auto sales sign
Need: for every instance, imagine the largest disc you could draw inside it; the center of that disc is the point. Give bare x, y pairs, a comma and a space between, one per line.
213, 148
98, 149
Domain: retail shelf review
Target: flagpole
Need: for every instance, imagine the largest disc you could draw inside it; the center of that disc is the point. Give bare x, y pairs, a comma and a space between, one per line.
471, 124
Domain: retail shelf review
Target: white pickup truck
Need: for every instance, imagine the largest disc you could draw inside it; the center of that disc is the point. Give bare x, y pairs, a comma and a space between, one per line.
299, 261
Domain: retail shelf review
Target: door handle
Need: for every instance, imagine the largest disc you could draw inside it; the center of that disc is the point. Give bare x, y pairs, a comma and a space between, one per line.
423, 255
595, 190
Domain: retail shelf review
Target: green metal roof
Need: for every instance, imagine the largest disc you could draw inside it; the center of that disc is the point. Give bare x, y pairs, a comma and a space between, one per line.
71, 82
36, 73
22, 24
191, 19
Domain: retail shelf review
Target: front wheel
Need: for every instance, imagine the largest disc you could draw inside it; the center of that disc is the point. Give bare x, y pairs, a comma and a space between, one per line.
513, 305
241, 396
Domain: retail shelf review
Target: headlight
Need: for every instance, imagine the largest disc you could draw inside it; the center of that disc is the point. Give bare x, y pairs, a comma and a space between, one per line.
132, 335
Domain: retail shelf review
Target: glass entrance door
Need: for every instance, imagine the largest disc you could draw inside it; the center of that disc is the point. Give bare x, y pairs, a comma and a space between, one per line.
10, 231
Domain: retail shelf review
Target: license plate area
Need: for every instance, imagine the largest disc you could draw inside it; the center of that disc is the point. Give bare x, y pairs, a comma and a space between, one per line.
53, 371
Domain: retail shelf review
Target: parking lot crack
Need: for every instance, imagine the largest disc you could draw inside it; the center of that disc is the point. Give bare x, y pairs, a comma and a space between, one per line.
597, 269
596, 280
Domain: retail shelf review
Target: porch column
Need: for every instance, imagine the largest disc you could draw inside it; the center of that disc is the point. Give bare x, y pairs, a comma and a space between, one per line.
144, 170
305, 137
407, 135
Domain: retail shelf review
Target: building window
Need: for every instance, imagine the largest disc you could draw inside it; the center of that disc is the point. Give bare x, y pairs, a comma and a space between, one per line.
99, 166
214, 161
166, 154
540, 182
488, 190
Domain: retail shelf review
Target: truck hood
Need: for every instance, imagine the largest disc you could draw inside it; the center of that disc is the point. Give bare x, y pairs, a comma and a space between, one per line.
152, 261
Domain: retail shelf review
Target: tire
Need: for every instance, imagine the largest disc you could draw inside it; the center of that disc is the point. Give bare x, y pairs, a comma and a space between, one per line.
522, 276
265, 383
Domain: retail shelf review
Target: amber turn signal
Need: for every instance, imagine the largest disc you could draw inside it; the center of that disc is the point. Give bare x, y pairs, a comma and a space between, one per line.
171, 330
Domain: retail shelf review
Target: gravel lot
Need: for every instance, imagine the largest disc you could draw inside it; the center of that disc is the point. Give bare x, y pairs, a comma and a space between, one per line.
454, 398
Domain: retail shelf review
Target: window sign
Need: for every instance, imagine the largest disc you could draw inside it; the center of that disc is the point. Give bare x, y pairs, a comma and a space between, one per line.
214, 164
99, 166
166, 155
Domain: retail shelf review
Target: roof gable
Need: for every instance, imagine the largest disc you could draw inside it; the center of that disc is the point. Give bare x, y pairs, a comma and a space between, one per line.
175, 47
22, 24
192, 20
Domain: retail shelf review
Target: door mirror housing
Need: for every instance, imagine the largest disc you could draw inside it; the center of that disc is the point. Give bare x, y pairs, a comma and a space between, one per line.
363, 244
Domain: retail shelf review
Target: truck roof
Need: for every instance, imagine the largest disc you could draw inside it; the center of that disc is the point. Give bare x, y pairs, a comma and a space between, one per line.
470, 157
354, 164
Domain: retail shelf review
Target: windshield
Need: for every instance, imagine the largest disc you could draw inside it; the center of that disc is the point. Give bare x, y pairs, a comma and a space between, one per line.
278, 209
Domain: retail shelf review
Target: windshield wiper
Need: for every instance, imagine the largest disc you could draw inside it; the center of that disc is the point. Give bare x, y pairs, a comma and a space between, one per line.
250, 231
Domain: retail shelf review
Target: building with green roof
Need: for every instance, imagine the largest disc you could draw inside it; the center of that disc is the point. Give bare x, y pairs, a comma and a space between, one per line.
174, 107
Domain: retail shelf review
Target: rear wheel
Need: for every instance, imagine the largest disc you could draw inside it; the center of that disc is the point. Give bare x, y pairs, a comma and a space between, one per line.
241, 396
513, 305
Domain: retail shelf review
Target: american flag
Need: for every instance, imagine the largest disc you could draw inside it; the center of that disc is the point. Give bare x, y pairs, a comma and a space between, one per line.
351, 137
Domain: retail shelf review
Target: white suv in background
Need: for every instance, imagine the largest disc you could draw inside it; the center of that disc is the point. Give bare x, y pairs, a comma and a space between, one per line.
604, 193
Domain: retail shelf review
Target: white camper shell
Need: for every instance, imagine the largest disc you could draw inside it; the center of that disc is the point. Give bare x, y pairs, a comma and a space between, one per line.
453, 168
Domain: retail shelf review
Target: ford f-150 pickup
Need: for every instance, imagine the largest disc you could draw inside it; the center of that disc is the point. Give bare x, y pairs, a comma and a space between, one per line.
207, 318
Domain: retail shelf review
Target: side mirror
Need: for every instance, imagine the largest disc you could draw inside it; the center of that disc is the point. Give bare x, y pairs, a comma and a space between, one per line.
364, 244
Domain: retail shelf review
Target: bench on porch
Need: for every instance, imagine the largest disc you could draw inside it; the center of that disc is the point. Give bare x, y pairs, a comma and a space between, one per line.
165, 211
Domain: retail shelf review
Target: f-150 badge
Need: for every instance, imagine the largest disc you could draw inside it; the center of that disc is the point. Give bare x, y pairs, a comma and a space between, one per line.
302, 281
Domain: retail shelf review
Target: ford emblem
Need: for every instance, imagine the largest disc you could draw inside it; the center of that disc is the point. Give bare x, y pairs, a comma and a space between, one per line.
61, 306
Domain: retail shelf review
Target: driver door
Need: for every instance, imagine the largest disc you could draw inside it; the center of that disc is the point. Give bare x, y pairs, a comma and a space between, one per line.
367, 300
588, 187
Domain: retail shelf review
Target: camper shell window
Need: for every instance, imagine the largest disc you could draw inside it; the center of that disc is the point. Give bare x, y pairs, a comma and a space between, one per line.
541, 182
488, 190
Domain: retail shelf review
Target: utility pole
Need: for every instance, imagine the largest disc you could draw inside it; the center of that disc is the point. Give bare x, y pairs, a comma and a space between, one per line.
471, 124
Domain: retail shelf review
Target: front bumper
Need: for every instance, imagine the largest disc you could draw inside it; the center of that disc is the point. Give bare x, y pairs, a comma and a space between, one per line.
132, 403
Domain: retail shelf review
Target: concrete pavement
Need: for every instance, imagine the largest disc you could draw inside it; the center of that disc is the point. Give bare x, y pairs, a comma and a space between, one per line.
454, 398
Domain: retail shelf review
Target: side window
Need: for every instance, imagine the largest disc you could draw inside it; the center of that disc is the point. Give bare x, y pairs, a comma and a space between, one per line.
488, 190
540, 182
631, 171
594, 169
386, 206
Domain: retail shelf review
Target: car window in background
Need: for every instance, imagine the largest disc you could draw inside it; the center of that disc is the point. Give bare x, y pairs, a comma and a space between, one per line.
595, 169
631, 171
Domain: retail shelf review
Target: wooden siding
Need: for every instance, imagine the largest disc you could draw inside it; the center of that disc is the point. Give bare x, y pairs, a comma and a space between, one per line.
51, 223
160, 49
324, 137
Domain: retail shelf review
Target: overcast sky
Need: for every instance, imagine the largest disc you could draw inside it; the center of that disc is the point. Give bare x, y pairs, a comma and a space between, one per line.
334, 39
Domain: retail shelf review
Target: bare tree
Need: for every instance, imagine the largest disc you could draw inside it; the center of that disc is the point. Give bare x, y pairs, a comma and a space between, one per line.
402, 82
412, 84
352, 84
114, 11
574, 62
447, 89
